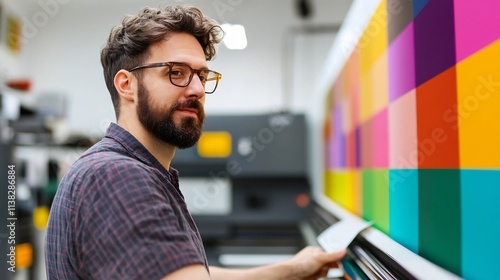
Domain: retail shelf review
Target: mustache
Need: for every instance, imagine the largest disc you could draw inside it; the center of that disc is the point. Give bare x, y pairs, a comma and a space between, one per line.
190, 103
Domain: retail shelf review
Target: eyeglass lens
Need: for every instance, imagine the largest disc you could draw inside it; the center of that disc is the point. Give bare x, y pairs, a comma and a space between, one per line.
181, 75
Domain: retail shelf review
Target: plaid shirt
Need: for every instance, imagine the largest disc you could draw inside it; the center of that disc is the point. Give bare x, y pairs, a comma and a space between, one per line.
119, 214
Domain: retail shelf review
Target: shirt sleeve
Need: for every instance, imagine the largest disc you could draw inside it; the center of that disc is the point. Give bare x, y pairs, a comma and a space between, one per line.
128, 226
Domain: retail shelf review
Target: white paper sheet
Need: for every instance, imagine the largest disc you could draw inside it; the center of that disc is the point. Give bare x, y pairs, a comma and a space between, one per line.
339, 235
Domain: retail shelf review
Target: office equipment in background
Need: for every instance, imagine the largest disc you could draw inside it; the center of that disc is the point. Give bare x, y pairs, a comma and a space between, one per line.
246, 184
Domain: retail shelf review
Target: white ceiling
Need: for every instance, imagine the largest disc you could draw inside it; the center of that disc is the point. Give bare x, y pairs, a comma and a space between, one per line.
332, 11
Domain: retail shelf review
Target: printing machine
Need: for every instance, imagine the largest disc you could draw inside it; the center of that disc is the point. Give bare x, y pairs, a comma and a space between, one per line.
245, 184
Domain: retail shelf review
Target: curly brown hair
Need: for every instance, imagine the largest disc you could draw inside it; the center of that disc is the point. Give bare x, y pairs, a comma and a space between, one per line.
128, 42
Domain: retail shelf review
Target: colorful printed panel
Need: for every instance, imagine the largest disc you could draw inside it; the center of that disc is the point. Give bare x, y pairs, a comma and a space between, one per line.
413, 131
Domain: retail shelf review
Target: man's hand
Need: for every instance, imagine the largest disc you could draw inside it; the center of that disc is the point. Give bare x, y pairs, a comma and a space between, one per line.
308, 264
312, 262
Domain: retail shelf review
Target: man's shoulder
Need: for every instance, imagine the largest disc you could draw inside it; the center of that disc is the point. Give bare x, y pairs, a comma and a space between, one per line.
106, 158
107, 150
104, 169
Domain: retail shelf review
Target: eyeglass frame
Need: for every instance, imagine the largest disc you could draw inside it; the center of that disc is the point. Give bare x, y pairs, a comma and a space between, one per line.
218, 75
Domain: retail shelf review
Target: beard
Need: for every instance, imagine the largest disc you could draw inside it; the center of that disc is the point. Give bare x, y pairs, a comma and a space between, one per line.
160, 122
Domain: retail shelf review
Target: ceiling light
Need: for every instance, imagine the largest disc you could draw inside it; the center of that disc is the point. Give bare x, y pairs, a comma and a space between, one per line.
235, 37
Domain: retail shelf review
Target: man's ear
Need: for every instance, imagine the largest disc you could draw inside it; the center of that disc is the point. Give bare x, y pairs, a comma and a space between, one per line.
126, 84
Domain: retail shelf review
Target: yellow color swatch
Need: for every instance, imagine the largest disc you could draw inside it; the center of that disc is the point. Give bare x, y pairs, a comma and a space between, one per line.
340, 187
374, 40
374, 89
478, 108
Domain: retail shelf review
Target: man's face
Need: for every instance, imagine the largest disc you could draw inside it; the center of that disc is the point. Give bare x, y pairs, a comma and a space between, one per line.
169, 113
159, 121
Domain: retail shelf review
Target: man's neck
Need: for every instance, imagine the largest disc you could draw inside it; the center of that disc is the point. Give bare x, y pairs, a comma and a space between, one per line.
162, 151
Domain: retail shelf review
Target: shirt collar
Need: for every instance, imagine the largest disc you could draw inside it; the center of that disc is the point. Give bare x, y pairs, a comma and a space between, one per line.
137, 150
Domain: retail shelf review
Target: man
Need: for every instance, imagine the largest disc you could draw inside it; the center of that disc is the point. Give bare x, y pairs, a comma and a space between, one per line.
118, 212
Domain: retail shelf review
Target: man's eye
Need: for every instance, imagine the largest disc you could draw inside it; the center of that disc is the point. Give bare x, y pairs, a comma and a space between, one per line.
203, 78
176, 73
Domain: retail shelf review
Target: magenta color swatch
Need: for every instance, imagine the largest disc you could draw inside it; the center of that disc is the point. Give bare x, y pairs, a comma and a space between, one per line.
336, 146
477, 24
402, 64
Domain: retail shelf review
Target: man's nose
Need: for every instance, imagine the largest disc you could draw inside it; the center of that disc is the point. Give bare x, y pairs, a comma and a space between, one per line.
196, 87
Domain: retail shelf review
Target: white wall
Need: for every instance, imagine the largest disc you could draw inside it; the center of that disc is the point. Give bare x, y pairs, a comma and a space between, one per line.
10, 62
64, 38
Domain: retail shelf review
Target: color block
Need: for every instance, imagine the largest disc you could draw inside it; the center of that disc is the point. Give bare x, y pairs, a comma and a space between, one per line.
376, 197
357, 181
366, 134
366, 106
418, 6
399, 15
374, 142
336, 145
480, 226
327, 134
358, 147
340, 188
373, 41
380, 140
437, 138
434, 40
478, 79
351, 96
351, 149
401, 61
439, 217
403, 207
347, 120
374, 89
475, 25
343, 82
380, 82
353, 73
403, 150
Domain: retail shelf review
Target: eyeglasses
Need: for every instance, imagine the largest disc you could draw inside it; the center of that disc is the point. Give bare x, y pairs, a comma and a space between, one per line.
181, 74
